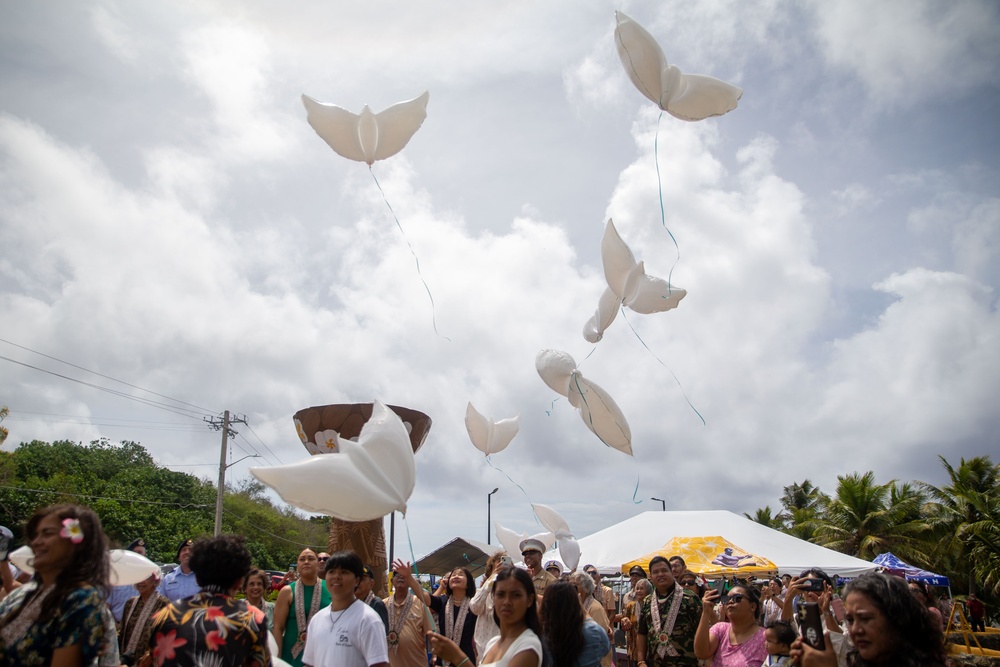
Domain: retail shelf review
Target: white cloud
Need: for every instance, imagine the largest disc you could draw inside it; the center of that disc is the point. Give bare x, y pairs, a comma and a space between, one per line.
925, 376
853, 197
907, 51
230, 63
113, 31
235, 262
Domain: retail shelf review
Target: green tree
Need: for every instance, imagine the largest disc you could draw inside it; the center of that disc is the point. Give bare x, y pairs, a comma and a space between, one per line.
134, 497
4, 411
764, 517
862, 520
801, 504
964, 513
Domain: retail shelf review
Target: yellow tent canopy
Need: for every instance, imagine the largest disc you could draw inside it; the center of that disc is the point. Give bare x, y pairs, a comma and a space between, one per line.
712, 557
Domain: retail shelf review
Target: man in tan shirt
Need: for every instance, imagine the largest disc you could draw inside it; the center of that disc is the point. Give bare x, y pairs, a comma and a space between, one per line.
531, 553
409, 623
602, 593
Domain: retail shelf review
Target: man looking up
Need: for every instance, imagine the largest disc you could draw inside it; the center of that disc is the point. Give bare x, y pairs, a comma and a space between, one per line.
348, 633
668, 621
181, 582
408, 625
531, 553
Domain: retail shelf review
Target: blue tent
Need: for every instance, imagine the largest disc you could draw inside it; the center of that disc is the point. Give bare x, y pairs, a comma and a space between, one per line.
889, 562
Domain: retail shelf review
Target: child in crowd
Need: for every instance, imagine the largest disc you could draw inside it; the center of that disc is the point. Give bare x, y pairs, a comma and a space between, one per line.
778, 639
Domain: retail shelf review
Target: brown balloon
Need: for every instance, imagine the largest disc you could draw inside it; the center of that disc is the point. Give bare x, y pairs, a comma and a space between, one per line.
366, 538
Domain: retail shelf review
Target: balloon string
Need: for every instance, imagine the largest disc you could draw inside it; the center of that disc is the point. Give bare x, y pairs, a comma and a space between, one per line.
412, 252
681, 387
636, 491
659, 185
490, 463
413, 557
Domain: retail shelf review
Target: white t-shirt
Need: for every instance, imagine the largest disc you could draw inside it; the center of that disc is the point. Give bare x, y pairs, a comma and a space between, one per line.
527, 640
354, 637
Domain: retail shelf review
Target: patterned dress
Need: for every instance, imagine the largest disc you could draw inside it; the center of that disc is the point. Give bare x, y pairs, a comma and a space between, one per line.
682, 637
77, 622
209, 629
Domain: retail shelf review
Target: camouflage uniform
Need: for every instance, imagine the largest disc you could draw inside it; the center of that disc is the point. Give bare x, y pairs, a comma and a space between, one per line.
682, 637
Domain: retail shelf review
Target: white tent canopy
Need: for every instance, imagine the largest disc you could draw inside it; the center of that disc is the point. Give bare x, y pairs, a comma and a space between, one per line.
642, 534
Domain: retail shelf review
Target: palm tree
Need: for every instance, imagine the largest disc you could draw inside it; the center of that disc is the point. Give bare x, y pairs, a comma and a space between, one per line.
863, 520
968, 500
802, 504
763, 517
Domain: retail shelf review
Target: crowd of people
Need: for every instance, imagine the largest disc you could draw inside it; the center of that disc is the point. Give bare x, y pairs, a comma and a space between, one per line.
212, 610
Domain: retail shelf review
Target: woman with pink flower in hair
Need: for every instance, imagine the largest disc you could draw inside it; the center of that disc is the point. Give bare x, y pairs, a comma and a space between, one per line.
212, 627
55, 619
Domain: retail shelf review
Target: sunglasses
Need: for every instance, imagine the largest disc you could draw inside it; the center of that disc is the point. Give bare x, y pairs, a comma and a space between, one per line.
689, 582
322, 560
591, 572
736, 598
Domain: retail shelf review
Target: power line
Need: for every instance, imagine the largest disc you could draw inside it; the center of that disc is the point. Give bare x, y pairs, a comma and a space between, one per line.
156, 502
263, 443
123, 500
107, 377
267, 532
146, 401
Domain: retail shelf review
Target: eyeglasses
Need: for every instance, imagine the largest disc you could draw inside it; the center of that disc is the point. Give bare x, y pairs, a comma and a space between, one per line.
736, 598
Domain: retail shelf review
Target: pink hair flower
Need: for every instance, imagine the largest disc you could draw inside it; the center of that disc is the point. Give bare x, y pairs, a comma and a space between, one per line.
71, 530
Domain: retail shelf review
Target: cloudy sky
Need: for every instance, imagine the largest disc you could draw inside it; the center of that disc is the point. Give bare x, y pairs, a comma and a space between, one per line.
169, 219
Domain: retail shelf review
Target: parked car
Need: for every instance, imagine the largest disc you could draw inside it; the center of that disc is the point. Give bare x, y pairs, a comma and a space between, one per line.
277, 579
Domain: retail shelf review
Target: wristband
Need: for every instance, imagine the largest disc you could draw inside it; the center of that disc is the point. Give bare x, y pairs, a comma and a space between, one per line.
464, 660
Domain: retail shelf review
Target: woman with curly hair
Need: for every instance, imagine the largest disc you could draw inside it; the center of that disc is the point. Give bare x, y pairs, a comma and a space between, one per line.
213, 627
888, 626
572, 638
55, 619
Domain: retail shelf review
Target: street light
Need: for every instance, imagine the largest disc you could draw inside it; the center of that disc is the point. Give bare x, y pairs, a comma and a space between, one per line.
489, 497
662, 502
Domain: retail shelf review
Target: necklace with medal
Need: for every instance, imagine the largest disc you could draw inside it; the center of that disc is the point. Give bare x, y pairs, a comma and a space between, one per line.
397, 618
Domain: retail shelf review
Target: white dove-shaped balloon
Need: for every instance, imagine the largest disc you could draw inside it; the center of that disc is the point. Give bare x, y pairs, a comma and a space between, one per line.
569, 548
126, 567
363, 480
628, 285
368, 136
597, 409
685, 96
511, 541
487, 435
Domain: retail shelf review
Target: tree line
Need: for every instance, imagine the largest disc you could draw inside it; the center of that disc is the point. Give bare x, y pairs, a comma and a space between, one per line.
952, 530
136, 498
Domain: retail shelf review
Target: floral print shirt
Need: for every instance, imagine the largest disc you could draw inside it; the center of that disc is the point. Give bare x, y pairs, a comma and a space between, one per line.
209, 629
78, 622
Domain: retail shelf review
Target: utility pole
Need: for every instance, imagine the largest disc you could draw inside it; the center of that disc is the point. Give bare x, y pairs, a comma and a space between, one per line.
226, 430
